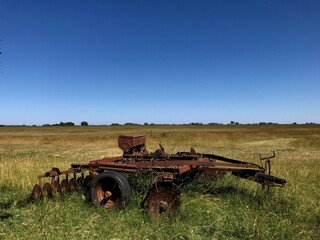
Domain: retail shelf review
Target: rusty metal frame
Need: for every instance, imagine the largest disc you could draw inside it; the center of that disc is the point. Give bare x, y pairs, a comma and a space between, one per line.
168, 168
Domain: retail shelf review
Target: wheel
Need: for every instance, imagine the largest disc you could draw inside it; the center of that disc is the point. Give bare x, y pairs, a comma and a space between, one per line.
65, 187
84, 185
73, 185
109, 189
47, 191
87, 182
80, 181
162, 200
57, 187
36, 193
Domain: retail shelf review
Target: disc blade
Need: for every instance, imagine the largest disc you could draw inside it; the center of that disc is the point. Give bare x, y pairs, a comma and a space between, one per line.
163, 200
47, 191
73, 185
65, 187
36, 193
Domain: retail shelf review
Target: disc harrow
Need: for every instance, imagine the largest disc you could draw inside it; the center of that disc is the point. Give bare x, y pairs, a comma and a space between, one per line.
103, 183
59, 183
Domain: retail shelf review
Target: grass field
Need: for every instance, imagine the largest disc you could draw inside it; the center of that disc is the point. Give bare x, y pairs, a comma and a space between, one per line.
229, 208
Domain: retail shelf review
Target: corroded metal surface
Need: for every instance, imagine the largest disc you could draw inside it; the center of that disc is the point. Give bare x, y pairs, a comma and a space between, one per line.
162, 200
169, 170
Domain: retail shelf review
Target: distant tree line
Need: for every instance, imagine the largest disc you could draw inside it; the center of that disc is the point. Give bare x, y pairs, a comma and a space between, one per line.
66, 124
60, 124
85, 123
198, 124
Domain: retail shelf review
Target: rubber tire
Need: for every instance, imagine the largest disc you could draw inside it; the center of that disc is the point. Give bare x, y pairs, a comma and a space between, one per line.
121, 182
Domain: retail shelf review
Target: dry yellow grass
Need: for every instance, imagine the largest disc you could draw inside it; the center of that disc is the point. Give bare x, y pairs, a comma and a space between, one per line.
231, 208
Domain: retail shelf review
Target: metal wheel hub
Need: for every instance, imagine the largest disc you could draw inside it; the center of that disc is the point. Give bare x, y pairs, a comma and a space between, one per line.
104, 197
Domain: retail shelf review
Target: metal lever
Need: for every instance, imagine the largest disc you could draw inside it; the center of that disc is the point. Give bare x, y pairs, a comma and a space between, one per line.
267, 165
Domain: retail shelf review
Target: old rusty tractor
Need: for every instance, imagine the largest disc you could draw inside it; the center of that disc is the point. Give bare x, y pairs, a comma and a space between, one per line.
106, 186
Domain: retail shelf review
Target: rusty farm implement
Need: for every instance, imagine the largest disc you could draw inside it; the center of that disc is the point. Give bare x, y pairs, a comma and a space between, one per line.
106, 186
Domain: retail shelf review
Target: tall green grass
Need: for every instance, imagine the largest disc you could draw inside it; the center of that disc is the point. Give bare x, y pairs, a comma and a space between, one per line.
226, 208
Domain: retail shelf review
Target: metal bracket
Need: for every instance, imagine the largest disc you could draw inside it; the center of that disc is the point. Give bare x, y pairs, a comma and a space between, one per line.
267, 165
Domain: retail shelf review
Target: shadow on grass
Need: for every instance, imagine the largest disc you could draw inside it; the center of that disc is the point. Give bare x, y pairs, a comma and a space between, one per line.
239, 195
4, 216
222, 191
11, 197
6, 204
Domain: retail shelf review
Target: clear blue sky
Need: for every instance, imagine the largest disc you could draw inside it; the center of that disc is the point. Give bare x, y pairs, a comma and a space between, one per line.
159, 61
